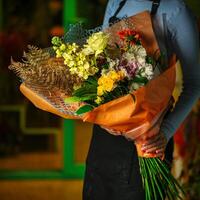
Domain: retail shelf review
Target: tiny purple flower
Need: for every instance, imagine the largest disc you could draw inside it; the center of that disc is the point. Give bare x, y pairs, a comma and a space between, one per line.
129, 67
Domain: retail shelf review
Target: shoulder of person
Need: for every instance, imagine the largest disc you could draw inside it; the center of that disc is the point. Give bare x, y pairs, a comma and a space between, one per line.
175, 8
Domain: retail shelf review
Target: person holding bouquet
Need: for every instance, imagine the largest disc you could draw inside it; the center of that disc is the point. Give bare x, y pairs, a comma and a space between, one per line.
121, 77
112, 168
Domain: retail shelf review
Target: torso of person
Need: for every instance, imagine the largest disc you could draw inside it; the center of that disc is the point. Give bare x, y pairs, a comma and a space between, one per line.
106, 148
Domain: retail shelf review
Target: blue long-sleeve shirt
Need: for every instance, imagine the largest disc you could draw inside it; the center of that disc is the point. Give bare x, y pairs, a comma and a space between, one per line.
183, 40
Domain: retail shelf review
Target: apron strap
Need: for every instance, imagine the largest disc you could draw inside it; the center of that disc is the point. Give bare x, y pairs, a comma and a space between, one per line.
154, 8
114, 18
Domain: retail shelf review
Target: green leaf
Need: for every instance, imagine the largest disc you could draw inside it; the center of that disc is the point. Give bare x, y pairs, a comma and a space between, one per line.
80, 99
117, 45
85, 91
72, 99
92, 80
140, 79
89, 87
87, 97
150, 60
84, 109
105, 66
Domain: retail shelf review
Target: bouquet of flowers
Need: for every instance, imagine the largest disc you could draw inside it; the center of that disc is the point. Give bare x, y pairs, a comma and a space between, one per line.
112, 77
106, 73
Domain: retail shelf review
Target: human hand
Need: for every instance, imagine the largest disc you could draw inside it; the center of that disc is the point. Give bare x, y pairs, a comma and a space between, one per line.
155, 144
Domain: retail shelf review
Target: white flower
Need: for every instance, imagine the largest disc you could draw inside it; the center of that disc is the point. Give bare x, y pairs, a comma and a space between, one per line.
135, 86
141, 60
136, 53
129, 56
141, 51
147, 71
138, 50
113, 63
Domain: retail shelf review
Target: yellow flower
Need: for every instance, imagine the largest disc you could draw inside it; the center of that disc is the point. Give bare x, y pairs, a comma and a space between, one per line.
100, 90
99, 100
107, 82
96, 43
71, 63
76, 86
55, 48
109, 85
86, 65
87, 50
101, 80
121, 74
76, 60
114, 75
58, 53
73, 70
62, 47
80, 62
67, 57
72, 47
85, 76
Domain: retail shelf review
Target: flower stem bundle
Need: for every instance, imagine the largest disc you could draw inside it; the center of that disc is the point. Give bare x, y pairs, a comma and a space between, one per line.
158, 181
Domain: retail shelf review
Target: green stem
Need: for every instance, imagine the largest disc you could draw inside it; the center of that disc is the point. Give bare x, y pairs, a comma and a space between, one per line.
166, 176
173, 181
146, 186
141, 170
146, 160
155, 180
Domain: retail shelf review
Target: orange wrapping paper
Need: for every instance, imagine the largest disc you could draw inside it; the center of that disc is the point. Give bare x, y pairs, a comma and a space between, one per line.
133, 114
140, 110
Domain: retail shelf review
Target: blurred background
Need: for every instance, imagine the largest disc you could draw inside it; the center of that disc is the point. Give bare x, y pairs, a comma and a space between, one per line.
41, 155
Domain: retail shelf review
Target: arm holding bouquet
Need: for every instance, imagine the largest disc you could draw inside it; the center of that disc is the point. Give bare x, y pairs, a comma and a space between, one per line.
190, 63
185, 42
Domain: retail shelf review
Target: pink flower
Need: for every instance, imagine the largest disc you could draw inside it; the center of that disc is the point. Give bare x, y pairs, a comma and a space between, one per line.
129, 67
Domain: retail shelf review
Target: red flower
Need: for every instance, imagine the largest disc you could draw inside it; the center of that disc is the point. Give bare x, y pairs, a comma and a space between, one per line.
129, 35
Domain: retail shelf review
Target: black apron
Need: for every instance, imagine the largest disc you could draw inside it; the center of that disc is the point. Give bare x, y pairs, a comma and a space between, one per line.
112, 169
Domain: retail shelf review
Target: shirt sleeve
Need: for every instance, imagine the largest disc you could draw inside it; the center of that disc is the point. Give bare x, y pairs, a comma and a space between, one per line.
185, 40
